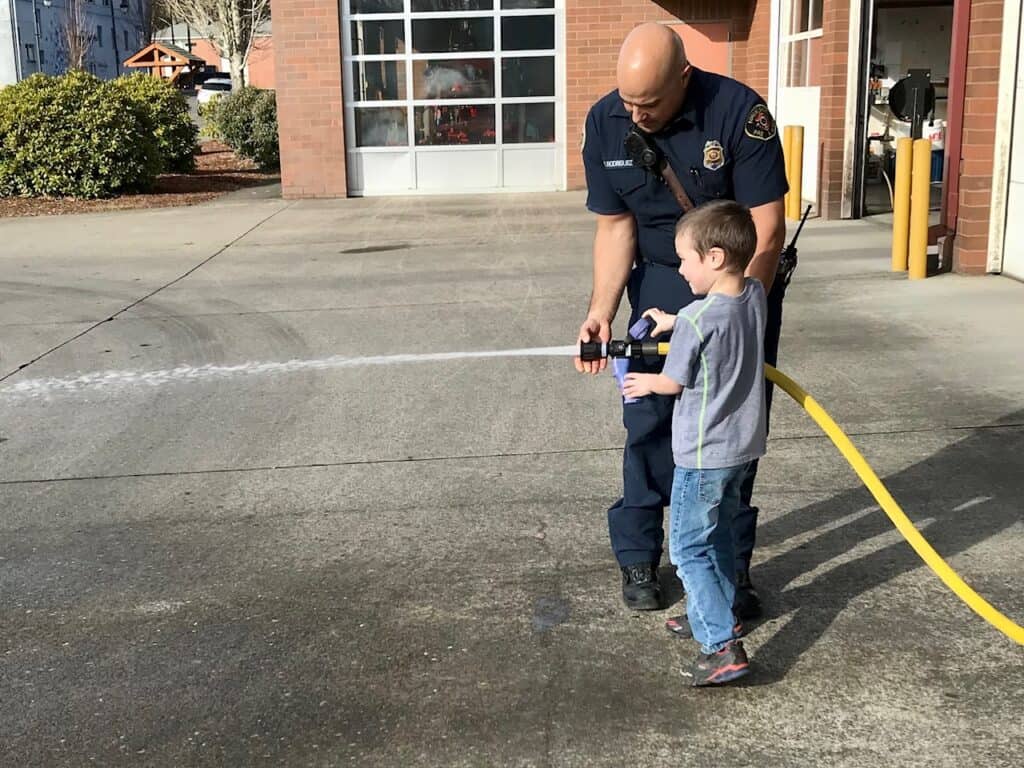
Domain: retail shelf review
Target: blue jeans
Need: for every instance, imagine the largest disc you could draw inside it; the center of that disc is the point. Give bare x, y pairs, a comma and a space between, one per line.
703, 504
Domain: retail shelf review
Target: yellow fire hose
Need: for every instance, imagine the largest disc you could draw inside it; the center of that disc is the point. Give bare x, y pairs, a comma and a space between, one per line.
903, 524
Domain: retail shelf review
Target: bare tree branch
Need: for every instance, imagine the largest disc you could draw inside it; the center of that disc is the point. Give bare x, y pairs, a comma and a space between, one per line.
230, 25
76, 37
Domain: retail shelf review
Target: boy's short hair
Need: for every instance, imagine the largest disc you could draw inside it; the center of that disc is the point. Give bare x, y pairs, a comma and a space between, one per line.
722, 224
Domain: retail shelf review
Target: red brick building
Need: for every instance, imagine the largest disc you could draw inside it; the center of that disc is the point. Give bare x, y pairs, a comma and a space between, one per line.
446, 96
259, 70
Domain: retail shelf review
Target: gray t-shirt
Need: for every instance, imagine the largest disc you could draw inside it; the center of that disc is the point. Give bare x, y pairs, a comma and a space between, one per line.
717, 354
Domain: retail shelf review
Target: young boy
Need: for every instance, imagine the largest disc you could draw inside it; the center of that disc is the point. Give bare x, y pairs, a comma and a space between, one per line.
718, 427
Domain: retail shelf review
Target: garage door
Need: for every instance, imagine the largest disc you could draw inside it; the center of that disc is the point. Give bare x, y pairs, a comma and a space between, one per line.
454, 95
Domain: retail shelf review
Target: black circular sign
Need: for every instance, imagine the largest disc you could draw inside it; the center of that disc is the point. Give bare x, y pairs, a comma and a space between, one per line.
901, 98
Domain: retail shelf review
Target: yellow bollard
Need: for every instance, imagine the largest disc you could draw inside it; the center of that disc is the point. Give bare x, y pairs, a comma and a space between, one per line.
796, 173
920, 201
787, 154
901, 204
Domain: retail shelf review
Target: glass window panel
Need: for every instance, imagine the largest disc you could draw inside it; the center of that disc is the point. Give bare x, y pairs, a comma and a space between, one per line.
453, 79
381, 127
528, 76
527, 33
376, 6
796, 75
426, 6
814, 61
514, 5
445, 124
806, 16
377, 37
378, 80
527, 123
451, 35
817, 7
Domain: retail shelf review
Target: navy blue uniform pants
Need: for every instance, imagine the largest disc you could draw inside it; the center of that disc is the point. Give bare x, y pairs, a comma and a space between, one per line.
635, 520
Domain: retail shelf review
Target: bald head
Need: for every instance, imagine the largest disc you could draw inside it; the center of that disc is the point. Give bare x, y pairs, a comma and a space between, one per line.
650, 74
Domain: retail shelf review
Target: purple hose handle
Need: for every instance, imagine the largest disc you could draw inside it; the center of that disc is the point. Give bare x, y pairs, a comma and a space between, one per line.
640, 328
620, 367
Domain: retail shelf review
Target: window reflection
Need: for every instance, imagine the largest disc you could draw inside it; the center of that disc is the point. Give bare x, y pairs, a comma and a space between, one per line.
378, 80
455, 124
381, 127
451, 35
527, 123
376, 37
527, 33
376, 6
426, 6
528, 76
453, 79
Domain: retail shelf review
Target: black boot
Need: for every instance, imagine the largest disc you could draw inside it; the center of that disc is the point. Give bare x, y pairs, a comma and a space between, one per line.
747, 604
640, 588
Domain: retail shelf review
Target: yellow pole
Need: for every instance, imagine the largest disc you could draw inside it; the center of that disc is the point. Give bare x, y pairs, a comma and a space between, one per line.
787, 154
901, 204
920, 201
797, 173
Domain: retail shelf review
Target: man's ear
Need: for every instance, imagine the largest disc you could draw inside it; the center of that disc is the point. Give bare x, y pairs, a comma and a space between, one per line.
717, 257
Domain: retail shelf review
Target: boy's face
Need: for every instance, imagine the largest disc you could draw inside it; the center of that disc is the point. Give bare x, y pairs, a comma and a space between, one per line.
700, 273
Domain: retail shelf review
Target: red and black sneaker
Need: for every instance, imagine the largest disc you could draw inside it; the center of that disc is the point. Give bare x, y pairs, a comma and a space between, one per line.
721, 667
679, 626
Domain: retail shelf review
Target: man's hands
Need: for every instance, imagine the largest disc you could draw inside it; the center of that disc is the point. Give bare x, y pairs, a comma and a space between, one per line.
663, 321
593, 329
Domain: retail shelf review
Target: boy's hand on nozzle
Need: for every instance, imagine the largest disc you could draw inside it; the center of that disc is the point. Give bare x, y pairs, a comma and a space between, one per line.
663, 321
638, 384
593, 329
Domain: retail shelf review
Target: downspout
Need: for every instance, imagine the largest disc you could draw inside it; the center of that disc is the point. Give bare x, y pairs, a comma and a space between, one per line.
955, 113
18, 74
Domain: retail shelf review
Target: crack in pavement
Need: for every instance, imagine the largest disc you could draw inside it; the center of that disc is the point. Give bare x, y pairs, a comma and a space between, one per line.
152, 293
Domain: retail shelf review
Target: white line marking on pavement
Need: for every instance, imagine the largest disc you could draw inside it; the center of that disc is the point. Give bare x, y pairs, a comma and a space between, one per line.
972, 503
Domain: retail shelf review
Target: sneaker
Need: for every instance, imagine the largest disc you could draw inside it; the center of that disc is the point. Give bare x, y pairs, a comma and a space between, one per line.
640, 588
721, 667
679, 626
747, 604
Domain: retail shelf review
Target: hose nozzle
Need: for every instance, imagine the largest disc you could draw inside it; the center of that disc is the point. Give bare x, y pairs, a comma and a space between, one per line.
591, 351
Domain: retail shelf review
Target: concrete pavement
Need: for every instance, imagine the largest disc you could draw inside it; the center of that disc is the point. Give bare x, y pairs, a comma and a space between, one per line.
329, 565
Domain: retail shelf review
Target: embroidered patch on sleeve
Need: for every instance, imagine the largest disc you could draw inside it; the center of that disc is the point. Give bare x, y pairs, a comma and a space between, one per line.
760, 124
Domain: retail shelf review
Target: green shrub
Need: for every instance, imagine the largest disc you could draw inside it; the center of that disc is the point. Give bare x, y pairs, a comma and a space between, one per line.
73, 135
169, 118
209, 113
246, 120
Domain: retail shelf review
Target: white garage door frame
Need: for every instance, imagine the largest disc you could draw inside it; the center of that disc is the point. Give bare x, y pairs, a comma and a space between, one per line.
501, 166
1006, 223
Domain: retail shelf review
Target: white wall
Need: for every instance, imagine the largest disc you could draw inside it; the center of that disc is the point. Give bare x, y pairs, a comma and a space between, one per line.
8, 64
802, 106
914, 38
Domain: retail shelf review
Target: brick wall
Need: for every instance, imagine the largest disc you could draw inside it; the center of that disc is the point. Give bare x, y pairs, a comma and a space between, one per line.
594, 30
970, 246
261, 64
307, 51
752, 33
261, 60
832, 116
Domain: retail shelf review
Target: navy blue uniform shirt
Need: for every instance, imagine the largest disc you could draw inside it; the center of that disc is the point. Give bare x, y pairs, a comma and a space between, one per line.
723, 144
